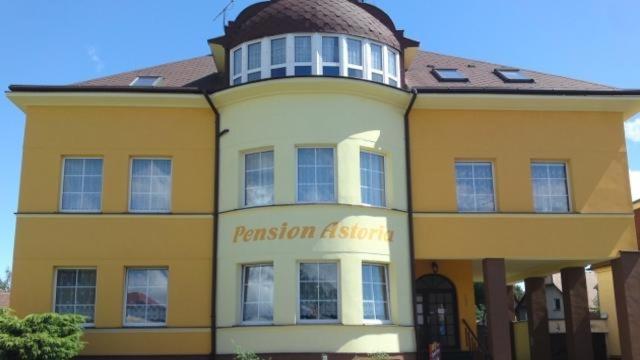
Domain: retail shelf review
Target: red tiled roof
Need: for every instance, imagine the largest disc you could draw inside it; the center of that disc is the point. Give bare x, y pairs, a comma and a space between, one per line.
201, 72
185, 73
4, 299
481, 76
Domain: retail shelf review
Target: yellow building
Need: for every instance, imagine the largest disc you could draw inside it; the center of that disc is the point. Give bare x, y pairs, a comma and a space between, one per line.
319, 187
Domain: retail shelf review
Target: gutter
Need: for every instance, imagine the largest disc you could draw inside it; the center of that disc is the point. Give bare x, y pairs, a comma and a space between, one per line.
116, 89
519, 91
214, 238
407, 154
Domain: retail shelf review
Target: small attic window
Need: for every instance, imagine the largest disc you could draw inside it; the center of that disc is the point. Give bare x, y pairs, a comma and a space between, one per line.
449, 75
146, 81
512, 76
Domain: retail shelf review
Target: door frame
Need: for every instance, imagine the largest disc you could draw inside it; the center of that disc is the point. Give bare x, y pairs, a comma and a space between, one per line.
421, 291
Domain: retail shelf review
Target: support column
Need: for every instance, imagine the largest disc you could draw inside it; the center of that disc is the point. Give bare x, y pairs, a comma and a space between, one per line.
626, 283
539, 338
498, 324
576, 314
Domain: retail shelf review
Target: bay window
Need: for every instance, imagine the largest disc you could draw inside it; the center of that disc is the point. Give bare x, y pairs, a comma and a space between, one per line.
257, 294
318, 292
316, 175
314, 54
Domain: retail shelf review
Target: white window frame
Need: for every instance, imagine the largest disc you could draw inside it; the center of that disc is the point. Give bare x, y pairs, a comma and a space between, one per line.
363, 53
168, 211
338, 295
240, 74
384, 168
317, 64
242, 294
260, 69
283, 65
386, 275
64, 160
493, 184
568, 183
335, 173
124, 303
243, 196
55, 290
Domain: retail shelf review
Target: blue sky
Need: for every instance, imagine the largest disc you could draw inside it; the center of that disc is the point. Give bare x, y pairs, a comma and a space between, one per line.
64, 41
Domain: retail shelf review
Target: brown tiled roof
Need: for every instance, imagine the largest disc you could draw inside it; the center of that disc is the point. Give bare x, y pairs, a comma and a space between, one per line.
196, 72
481, 76
200, 72
329, 16
4, 299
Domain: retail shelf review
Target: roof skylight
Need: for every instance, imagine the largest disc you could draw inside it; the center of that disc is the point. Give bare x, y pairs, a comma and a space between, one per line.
512, 76
146, 81
452, 75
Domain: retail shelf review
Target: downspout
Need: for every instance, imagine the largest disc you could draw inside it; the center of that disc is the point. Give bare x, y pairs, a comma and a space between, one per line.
407, 144
214, 239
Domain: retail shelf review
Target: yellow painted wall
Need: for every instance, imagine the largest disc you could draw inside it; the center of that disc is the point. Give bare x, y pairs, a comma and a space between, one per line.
460, 272
117, 134
592, 143
523, 237
305, 115
113, 241
608, 305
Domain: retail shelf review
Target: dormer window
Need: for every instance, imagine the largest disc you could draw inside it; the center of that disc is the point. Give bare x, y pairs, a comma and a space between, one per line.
449, 75
146, 81
314, 55
512, 76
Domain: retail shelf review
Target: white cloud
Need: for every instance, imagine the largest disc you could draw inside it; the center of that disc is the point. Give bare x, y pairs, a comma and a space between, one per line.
634, 178
632, 129
92, 52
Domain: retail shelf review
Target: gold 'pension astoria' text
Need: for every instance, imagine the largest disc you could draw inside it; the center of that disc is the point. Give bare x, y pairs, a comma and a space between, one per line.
333, 230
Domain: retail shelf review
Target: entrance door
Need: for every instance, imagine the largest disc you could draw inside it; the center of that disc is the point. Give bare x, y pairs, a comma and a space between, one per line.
437, 312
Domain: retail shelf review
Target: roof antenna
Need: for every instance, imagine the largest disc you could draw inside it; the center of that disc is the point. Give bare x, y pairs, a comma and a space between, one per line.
223, 12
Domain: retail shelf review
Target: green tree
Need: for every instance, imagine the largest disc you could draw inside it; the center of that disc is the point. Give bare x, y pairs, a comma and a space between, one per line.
40, 336
5, 284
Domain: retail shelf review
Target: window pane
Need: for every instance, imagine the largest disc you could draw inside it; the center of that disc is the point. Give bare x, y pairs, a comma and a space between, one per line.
392, 63
75, 292
372, 183
254, 56
254, 76
331, 70
279, 72
330, 49
257, 301
355, 73
278, 51
318, 291
302, 70
82, 185
259, 178
302, 49
376, 57
475, 188
550, 189
374, 292
146, 297
150, 185
316, 175
377, 77
354, 49
237, 61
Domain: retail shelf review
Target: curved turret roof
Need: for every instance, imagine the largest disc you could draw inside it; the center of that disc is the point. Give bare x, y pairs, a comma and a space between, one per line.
348, 17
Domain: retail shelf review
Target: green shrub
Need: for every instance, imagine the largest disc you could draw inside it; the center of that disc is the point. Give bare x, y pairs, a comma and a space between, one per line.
40, 336
242, 354
379, 356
